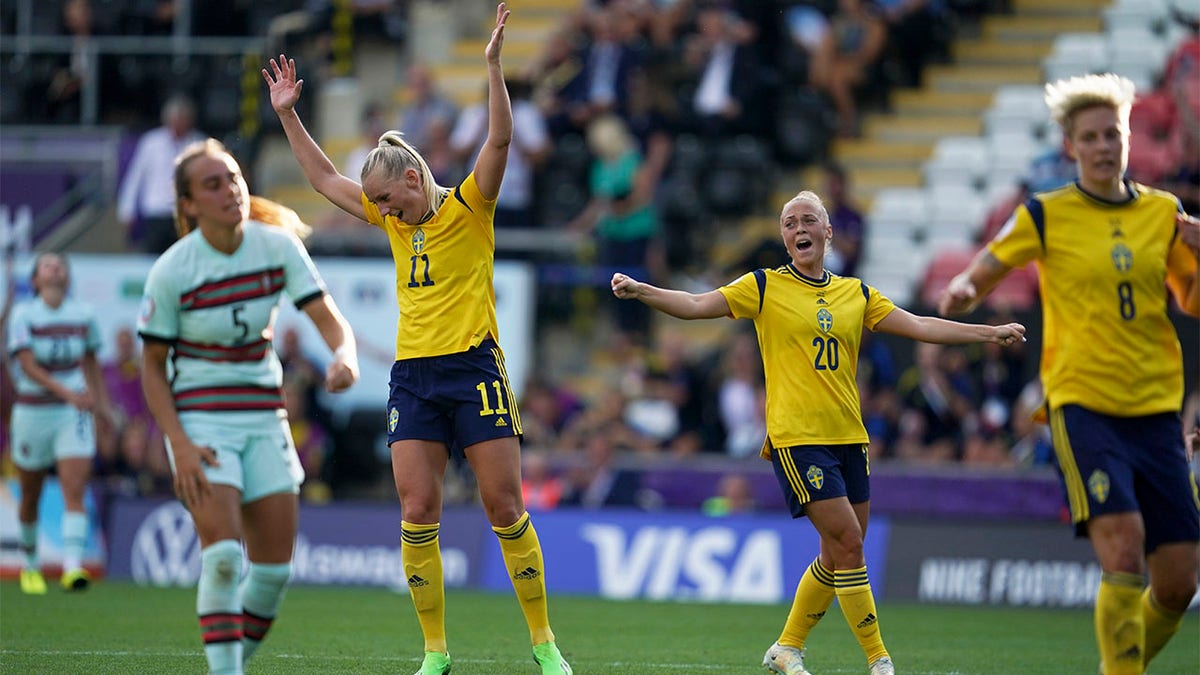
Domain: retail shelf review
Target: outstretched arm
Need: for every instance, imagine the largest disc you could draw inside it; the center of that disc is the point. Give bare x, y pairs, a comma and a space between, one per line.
1183, 272
932, 329
970, 286
343, 192
493, 156
680, 304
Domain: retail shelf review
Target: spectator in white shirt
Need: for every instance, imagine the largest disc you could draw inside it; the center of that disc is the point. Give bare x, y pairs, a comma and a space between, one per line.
530, 147
146, 203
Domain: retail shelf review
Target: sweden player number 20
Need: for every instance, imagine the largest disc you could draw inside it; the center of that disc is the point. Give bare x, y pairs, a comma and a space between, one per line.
827, 353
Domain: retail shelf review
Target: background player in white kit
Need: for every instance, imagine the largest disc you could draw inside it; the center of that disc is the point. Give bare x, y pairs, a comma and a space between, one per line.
53, 341
209, 308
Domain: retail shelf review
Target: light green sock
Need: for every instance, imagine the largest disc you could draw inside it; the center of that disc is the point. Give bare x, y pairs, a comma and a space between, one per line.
74, 532
219, 607
262, 594
29, 540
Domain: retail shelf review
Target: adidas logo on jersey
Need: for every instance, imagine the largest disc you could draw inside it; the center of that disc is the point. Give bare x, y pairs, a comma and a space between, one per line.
500, 422
527, 574
1131, 654
867, 621
416, 582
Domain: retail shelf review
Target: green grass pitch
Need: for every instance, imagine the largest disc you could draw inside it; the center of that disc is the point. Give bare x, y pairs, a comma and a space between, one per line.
121, 628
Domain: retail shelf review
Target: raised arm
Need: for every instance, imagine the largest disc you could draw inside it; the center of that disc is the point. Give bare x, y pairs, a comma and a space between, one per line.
679, 304
969, 287
942, 331
493, 156
343, 192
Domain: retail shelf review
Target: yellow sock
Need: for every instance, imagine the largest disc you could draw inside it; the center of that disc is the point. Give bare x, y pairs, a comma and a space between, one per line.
1120, 628
1161, 623
523, 558
814, 594
422, 559
858, 605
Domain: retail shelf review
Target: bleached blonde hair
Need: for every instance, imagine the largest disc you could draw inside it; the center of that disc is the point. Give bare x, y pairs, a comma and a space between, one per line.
1068, 96
812, 198
393, 156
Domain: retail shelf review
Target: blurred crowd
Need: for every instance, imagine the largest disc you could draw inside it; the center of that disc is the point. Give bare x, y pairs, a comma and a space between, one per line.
641, 125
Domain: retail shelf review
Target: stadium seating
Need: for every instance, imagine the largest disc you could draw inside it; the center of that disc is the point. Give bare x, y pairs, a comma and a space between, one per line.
958, 160
1077, 54
1017, 108
1151, 15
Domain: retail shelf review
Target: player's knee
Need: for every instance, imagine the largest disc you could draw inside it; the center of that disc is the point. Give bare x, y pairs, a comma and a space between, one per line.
847, 552
503, 512
1177, 592
221, 564
420, 510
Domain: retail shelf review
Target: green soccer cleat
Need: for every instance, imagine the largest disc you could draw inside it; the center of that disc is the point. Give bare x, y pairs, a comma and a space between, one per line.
32, 582
435, 663
75, 580
882, 666
784, 660
550, 659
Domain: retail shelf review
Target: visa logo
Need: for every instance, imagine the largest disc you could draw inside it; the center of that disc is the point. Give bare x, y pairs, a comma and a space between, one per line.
674, 563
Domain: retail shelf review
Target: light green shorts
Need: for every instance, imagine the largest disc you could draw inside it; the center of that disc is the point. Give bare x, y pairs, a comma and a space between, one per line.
44, 434
255, 452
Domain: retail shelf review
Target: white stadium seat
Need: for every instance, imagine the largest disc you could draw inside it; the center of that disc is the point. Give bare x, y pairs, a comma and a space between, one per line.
959, 160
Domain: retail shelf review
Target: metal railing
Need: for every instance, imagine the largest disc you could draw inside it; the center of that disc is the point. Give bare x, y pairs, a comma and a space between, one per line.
92, 158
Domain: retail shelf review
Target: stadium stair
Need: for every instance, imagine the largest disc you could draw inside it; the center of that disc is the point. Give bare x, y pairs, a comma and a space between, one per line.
1008, 49
1005, 49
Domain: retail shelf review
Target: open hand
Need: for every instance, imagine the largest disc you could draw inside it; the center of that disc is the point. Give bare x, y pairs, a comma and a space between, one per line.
191, 485
285, 88
493, 47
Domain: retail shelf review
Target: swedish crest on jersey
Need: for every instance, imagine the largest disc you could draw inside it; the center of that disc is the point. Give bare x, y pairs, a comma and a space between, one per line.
825, 319
1122, 257
418, 240
393, 419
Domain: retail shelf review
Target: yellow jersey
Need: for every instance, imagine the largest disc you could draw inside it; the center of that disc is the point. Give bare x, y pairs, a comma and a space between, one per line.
809, 334
444, 274
1108, 344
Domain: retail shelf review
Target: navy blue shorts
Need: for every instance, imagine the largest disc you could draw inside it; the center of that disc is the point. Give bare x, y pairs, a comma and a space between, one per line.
458, 399
810, 473
1123, 464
